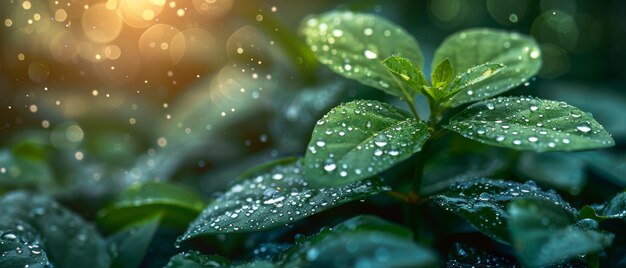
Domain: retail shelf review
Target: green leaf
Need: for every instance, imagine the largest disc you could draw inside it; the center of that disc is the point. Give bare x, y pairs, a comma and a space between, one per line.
353, 45
350, 245
468, 48
607, 165
483, 203
16, 171
464, 256
67, 239
562, 171
473, 76
544, 233
360, 139
268, 200
612, 209
20, 246
195, 259
406, 72
442, 74
129, 246
525, 123
178, 205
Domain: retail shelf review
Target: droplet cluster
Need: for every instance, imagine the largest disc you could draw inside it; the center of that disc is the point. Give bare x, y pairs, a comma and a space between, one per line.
274, 198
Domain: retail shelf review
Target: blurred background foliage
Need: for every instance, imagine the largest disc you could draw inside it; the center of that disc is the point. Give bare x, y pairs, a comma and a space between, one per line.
96, 96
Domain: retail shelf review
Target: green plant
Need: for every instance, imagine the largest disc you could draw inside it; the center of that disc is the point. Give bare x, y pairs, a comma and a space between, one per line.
357, 150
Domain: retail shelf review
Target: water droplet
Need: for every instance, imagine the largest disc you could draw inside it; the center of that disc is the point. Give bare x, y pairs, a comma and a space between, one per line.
330, 167
583, 128
370, 54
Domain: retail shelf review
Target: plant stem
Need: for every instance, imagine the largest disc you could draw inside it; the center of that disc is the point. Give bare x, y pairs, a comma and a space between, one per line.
413, 110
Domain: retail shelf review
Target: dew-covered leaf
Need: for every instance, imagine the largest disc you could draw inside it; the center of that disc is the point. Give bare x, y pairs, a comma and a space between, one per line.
67, 239
468, 48
406, 72
129, 246
276, 198
20, 246
195, 259
562, 171
178, 205
464, 256
473, 76
612, 209
544, 233
483, 203
354, 44
350, 245
360, 139
525, 123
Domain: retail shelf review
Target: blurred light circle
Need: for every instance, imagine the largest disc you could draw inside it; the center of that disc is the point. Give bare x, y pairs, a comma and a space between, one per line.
112, 52
555, 61
38, 71
212, 8
507, 12
73, 8
101, 24
155, 42
591, 33
19, 44
60, 15
141, 13
90, 51
445, 10
556, 27
63, 46
195, 47
67, 135
121, 66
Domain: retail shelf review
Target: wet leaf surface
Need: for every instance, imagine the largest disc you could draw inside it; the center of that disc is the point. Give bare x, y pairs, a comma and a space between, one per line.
612, 209
360, 139
544, 233
21, 246
468, 48
483, 203
274, 198
67, 239
526, 123
562, 171
354, 44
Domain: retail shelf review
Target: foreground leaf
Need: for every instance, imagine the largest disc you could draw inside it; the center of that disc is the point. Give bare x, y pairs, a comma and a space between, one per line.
468, 48
67, 239
442, 74
483, 203
20, 246
176, 204
195, 259
563, 171
360, 139
349, 244
354, 44
525, 123
464, 256
544, 233
267, 200
612, 209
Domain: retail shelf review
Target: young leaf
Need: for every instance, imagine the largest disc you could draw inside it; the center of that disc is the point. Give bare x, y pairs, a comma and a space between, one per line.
478, 46
525, 123
544, 233
178, 205
563, 171
612, 209
442, 74
275, 198
353, 45
406, 72
67, 239
350, 244
360, 139
471, 77
20, 246
483, 203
